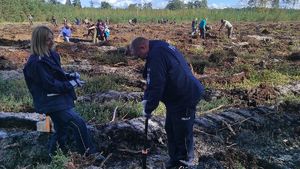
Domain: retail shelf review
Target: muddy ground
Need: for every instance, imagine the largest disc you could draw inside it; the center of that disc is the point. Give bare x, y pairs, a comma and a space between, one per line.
249, 138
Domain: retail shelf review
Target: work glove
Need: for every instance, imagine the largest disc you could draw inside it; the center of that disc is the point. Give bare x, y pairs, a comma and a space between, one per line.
77, 83
147, 115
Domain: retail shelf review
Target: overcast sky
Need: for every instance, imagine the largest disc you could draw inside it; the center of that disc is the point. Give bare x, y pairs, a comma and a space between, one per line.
162, 3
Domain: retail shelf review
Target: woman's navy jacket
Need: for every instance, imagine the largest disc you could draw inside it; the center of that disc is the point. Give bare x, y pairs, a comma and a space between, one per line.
48, 84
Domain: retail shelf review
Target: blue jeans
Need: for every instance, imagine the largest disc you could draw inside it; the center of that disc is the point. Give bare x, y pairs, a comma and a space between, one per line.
64, 121
179, 128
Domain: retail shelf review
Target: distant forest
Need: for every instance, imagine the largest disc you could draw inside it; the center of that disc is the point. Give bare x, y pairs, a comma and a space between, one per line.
41, 10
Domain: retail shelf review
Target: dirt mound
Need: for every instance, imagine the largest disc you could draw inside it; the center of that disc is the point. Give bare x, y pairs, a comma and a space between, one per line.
19, 43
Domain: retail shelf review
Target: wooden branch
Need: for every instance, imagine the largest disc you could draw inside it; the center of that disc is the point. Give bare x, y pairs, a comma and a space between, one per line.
214, 109
11, 145
198, 130
229, 127
109, 155
231, 145
242, 121
114, 114
129, 151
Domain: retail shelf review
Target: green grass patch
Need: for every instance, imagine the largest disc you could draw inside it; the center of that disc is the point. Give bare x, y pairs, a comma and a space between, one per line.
103, 112
291, 98
270, 77
255, 78
14, 96
238, 68
258, 55
198, 64
110, 59
160, 110
288, 69
208, 105
101, 83
59, 161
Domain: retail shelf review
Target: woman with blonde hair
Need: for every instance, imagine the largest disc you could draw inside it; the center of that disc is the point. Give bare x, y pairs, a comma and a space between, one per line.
53, 92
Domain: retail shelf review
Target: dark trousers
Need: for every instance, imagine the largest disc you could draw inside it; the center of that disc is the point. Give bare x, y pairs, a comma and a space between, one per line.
67, 120
202, 33
229, 32
179, 128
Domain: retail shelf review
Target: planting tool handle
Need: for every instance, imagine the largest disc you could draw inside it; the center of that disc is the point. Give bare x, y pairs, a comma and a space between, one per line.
145, 150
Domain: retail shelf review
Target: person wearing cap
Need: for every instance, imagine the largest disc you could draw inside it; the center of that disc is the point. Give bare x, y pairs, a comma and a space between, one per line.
228, 26
170, 80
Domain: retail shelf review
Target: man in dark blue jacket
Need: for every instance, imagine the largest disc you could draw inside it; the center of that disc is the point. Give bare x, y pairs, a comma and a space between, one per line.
170, 80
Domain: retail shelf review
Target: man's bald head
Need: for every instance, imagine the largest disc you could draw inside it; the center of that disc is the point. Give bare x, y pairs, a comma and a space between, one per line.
140, 47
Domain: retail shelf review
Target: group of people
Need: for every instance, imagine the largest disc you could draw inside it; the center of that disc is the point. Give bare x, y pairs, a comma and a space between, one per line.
101, 28
168, 76
203, 27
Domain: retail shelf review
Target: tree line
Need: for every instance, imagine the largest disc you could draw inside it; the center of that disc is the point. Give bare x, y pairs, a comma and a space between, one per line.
43, 10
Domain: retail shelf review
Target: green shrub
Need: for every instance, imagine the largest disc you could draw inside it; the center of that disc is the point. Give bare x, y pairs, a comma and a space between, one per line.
59, 161
208, 105
110, 59
102, 83
14, 96
198, 64
103, 112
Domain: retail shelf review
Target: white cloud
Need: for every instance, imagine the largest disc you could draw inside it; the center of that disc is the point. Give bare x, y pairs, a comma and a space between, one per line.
62, 1
217, 6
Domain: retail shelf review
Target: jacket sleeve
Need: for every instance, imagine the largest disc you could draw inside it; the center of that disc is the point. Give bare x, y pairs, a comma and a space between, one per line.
156, 80
49, 82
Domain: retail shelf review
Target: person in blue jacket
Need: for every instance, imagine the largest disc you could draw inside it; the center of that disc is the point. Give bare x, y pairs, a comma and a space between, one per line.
66, 33
53, 93
202, 27
170, 80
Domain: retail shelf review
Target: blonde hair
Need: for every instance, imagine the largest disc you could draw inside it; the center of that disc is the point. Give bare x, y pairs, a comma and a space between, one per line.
39, 40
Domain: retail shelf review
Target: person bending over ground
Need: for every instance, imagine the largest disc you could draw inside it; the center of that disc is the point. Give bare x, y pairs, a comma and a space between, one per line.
170, 80
228, 26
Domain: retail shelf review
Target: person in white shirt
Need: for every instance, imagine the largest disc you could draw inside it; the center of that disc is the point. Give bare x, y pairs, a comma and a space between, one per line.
228, 26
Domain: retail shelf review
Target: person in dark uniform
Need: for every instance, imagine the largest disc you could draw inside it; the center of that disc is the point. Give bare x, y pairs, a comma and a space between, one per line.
53, 93
170, 80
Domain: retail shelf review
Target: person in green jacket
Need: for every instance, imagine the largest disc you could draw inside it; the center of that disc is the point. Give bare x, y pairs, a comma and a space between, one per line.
202, 28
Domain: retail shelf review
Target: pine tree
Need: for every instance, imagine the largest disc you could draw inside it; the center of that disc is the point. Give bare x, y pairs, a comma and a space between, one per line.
68, 2
77, 3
